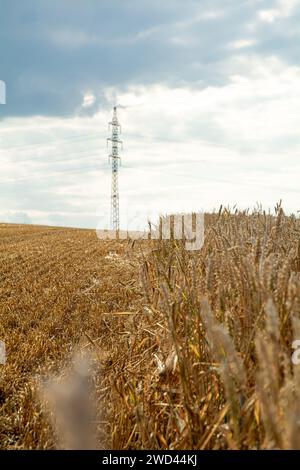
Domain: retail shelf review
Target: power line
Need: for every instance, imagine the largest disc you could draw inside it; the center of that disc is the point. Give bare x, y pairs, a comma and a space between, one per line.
49, 175
61, 159
59, 142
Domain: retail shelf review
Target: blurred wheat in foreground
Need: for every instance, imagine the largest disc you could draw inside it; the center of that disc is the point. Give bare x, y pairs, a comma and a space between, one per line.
70, 405
193, 349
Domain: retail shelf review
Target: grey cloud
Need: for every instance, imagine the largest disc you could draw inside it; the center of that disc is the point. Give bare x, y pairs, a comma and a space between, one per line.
16, 218
52, 51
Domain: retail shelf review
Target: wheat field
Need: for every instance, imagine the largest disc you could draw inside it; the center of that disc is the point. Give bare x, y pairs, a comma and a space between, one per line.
144, 345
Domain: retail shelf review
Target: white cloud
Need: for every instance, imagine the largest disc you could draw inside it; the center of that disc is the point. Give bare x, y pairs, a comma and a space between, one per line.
88, 100
242, 43
283, 9
2, 92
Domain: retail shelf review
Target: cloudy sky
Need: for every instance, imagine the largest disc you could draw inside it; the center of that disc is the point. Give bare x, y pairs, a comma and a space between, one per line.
208, 94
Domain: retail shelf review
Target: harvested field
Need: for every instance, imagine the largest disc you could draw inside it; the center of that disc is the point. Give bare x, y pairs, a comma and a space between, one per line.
55, 284
190, 350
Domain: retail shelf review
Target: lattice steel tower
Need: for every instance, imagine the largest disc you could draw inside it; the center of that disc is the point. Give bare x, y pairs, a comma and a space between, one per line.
115, 160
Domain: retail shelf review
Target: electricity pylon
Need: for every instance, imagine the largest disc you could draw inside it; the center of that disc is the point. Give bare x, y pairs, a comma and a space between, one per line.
115, 160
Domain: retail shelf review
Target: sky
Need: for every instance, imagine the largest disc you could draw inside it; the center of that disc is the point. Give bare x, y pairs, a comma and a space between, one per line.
208, 96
